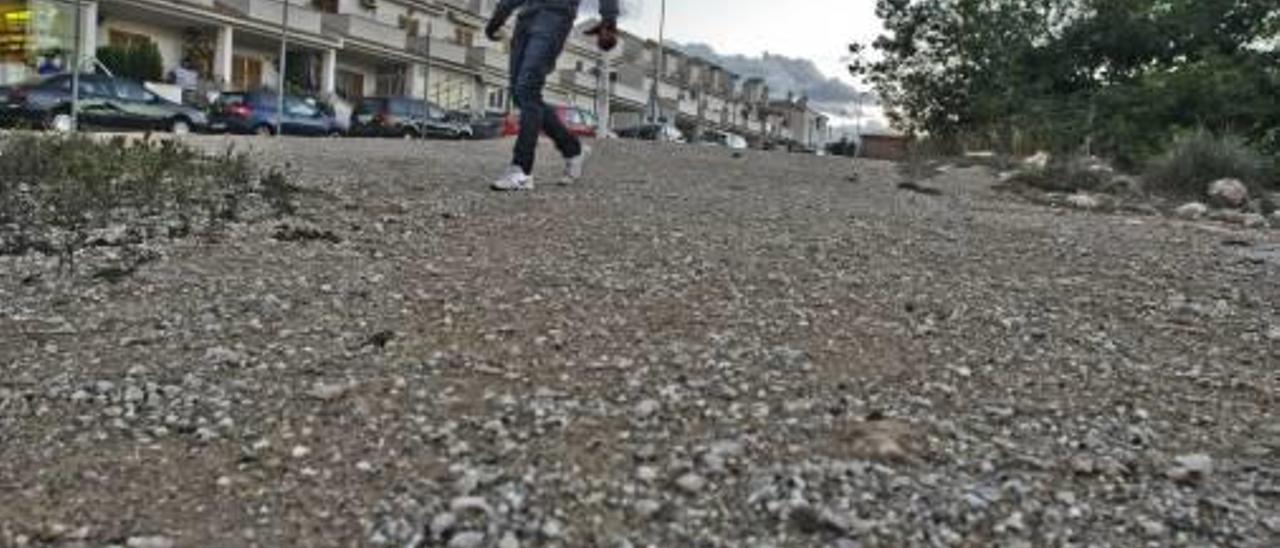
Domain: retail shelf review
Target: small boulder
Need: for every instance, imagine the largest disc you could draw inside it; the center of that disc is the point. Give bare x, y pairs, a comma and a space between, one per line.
1191, 468
1039, 161
1123, 185
1083, 201
883, 440
1192, 211
1229, 193
1254, 220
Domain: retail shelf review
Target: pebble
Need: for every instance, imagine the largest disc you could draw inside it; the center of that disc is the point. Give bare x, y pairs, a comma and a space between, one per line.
509, 540
647, 408
150, 542
443, 523
467, 539
646, 473
1152, 528
1191, 468
691, 483
300, 451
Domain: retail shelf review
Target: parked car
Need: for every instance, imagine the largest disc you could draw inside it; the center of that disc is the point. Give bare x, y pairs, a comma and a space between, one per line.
255, 113
724, 139
406, 117
580, 122
653, 132
106, 102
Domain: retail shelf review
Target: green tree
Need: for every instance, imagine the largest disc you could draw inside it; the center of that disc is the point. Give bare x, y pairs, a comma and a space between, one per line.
1119, 76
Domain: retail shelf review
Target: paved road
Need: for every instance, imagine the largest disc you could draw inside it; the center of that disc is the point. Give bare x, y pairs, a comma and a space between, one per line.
690, 349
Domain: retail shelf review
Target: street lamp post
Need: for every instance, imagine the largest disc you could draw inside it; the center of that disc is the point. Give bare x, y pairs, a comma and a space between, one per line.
75, 67
658, 65
284, 61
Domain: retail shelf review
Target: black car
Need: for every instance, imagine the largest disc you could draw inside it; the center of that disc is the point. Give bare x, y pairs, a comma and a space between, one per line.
255, 113
653, 132
106, 102
405, 117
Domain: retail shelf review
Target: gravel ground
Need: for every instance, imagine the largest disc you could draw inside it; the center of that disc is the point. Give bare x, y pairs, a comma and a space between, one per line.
692, 349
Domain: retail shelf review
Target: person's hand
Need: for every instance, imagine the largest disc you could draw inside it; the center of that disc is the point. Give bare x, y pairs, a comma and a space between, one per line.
606, 33
494, 27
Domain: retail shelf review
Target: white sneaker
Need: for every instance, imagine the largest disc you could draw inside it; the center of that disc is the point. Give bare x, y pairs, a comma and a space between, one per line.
514, 179
573, 166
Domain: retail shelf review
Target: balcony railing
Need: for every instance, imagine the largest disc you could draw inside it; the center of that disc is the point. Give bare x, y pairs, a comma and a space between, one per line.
369, 30
580, 80
439, 50
630, 93
301, 18
481, 57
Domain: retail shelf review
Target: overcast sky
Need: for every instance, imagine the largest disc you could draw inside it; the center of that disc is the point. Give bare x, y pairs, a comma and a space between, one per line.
820, 30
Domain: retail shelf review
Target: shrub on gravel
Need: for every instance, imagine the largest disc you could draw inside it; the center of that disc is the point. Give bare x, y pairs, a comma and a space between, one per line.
1073, 173
57, 191
1197, 159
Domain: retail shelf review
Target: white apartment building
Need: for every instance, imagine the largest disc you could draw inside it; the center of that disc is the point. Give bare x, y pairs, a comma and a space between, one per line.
432, 49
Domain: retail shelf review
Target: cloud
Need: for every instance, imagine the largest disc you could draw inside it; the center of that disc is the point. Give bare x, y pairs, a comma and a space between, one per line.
785, 75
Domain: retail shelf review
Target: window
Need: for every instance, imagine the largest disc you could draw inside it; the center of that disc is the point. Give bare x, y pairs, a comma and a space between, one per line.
350, 85
497, 99
296, 107
246, 73
464, 37
326, 6
132, 91
126, 39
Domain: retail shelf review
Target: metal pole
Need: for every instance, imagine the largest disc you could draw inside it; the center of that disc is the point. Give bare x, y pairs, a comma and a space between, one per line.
426, 74
658, 65
284, 62
75, 69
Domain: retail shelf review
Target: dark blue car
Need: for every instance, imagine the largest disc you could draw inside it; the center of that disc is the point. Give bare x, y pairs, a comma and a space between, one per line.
255, 113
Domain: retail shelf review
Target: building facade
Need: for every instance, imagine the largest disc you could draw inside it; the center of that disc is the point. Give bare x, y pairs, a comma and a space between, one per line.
348, 49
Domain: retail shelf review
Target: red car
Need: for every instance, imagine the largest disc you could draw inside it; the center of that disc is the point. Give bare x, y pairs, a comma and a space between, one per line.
581, 123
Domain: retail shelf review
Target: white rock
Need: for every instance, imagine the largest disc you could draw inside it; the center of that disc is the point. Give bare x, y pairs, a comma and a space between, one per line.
1229, 193
509, 540
328, 392
443, 523
1152, 528
1191, 468
647, 408
150, 542
1083, 201
553, 529
300, 451
1192, 211
646, 473
462, 505
1039, 161
691, 483
647, 507
1274, 333
1254, 220
467, 539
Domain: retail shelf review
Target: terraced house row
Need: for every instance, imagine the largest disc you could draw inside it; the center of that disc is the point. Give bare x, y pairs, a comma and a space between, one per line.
432, 49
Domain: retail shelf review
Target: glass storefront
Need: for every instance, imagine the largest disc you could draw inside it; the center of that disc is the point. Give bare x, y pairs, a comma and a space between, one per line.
36, 37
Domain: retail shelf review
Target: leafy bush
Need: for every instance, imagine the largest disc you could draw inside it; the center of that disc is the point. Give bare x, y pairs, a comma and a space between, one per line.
140, 61
1199, 158
55, 191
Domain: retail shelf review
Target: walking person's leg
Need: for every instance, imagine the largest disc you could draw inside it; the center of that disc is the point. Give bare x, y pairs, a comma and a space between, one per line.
542, 38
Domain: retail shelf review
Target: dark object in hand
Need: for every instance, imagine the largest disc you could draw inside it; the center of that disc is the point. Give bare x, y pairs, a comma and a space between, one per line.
606, 33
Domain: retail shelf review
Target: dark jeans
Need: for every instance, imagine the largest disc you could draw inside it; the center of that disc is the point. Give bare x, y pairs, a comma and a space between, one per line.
538, 41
